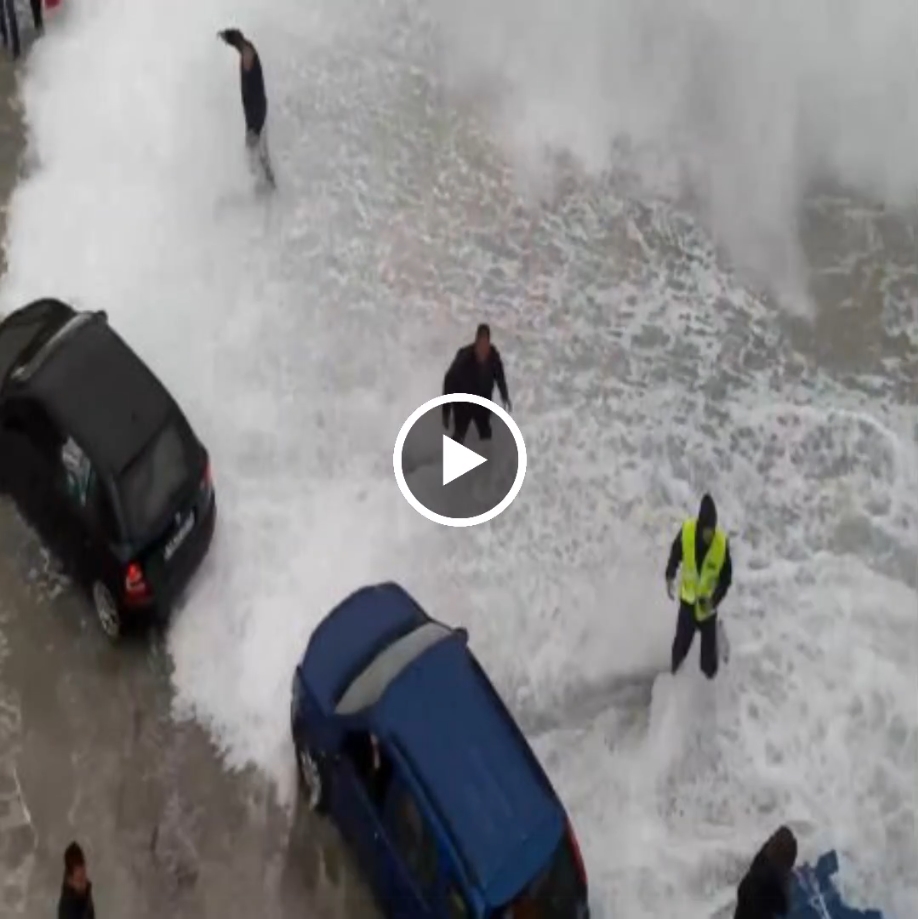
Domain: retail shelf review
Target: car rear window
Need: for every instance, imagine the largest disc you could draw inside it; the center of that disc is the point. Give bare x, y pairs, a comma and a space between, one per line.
556, 893
150, 483
17, 344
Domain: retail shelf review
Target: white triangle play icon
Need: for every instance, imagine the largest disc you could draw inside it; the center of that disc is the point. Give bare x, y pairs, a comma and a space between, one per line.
458, 460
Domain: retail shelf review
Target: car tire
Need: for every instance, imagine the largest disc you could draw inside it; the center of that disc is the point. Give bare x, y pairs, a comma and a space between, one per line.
312, 780
107, 611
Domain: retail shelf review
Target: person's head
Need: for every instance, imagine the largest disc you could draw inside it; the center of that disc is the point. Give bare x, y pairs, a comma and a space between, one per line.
782, 849
483, 342
707, 519
75, 867
234, 38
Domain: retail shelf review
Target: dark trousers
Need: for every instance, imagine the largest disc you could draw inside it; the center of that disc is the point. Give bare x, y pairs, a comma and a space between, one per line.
686, 626
9, 24
256, 143
464, 414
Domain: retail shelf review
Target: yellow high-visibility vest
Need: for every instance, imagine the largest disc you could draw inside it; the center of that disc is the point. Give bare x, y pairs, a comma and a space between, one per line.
695, 587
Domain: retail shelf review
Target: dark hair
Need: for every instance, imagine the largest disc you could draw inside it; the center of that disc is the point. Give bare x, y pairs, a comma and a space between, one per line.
73, 858
483, 331
707, 513
233, 37
782, 848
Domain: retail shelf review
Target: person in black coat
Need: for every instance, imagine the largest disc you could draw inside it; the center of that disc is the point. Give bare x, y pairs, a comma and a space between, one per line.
254, 101
764, 891
76, 890
475, 369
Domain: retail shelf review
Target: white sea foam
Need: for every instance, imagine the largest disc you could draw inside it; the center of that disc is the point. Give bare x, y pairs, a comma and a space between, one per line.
300, 332
749, 102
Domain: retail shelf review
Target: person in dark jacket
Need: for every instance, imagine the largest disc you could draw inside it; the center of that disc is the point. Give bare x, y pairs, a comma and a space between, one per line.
76, 891
254, 101
9, 24
475, 370
703, 551
764, 891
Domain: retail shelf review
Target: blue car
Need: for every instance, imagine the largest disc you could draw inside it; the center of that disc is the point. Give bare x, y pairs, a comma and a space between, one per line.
814, 894
402, 740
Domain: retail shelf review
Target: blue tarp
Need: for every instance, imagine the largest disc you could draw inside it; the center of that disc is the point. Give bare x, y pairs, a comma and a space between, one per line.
815, 896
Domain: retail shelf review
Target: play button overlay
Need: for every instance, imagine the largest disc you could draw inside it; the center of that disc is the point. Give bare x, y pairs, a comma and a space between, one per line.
458, 460
459, 484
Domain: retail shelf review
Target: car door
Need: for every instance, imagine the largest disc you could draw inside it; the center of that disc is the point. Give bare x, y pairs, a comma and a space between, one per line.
358, 815
415, 868
96, 528
77, 511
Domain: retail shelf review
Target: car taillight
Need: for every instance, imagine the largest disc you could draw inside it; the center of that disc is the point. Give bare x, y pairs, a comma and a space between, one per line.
578, 857
135, 584
207, 483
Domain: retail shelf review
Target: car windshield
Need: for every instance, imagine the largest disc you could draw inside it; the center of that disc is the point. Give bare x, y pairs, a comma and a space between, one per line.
149, 484
555, 894
26, 332
19, 342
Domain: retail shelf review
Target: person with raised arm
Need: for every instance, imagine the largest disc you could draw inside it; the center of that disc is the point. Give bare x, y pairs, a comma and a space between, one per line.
254, 102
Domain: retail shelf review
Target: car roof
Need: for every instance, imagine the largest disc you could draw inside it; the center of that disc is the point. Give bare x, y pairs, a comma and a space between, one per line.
352, 634
102, 393
474, 764
25, 330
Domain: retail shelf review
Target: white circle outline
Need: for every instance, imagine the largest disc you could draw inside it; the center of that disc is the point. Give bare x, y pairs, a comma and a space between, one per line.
415, 416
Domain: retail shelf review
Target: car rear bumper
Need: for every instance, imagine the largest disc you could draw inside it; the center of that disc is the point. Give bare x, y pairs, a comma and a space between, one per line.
167, 590
189, 560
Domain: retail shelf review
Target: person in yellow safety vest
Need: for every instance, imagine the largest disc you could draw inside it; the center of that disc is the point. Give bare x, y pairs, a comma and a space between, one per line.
702, 549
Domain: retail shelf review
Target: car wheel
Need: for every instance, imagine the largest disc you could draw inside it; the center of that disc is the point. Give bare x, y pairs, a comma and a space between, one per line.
106, 610
312, 780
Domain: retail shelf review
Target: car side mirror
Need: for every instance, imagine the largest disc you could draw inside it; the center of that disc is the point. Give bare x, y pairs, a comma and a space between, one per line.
463, 634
